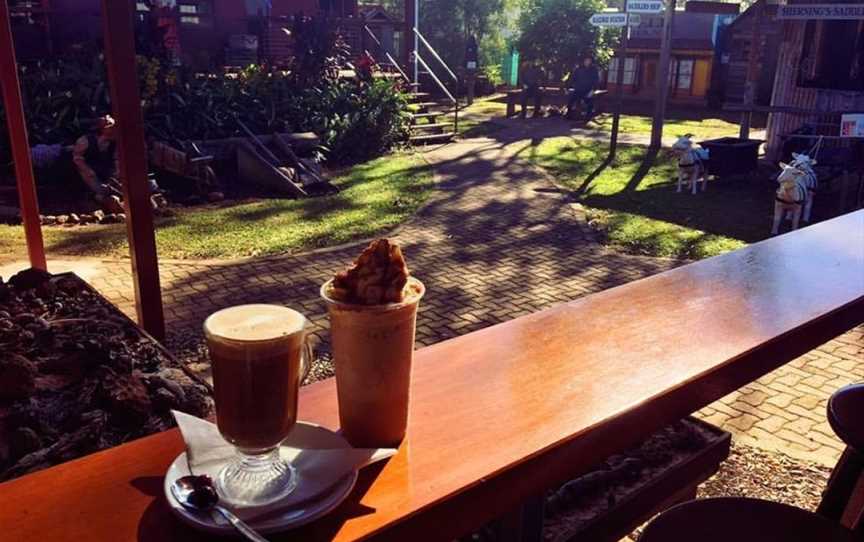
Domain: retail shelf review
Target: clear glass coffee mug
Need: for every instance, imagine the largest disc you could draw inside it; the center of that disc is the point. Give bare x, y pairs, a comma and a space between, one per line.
259, 354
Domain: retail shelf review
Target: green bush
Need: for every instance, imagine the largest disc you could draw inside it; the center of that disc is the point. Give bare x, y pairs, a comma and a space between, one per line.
356, 120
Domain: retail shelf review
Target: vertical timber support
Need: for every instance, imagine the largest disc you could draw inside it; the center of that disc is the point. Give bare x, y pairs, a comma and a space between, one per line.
410, 45
119, 32
19, 141
619, 88
663, 76
752, 70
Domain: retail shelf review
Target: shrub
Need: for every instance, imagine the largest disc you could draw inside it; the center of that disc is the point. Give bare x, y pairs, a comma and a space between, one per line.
356, 120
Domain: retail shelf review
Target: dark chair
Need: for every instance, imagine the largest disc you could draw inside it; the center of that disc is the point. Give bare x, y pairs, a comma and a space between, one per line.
754, 520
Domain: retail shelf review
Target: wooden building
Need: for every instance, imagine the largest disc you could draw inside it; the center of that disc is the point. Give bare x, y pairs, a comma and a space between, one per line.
820, 74
694, 53
730, 77
203, 33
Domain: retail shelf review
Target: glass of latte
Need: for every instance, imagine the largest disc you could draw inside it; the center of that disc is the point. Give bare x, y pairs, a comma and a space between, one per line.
259, 355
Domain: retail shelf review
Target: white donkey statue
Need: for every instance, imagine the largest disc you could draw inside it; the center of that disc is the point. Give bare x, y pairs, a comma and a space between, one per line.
691, 169
791, 197
805, 164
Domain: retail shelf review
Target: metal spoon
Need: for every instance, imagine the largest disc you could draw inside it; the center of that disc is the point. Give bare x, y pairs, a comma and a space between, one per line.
197, 493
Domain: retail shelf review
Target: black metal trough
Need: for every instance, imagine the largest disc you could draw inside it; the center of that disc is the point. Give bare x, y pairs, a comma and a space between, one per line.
731, 156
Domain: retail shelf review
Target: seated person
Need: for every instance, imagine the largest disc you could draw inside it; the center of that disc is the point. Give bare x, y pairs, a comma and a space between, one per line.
95, 158
531, 77
583, 81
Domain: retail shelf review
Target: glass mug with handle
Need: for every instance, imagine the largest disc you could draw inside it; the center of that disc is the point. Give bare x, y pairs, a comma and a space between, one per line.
259, 355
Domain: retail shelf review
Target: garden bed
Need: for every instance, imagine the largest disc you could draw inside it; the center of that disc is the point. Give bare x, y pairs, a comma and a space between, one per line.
627, 489
77, 376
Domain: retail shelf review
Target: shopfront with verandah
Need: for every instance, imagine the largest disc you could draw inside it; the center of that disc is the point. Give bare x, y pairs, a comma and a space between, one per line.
694, 45
820, 74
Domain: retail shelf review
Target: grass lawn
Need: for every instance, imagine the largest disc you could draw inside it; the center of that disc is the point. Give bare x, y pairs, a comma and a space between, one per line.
635, 124
633, 202
375, 196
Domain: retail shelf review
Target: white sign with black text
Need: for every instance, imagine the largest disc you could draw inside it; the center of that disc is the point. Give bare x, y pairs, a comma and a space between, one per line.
644, 6
821, 11
608, 19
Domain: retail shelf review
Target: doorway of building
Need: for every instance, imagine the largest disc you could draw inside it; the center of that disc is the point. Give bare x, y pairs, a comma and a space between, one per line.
649, 74
701, 77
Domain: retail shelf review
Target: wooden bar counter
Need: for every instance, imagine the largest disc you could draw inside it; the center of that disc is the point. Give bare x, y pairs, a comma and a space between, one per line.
502, 414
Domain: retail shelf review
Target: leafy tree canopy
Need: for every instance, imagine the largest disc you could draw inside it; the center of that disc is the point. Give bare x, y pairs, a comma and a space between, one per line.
448, 24
556, 34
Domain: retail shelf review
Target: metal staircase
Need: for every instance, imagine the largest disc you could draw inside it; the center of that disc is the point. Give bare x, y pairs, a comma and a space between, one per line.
432, 121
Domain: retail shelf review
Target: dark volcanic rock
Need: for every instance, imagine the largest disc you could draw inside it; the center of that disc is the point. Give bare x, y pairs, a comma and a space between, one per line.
76, 376
17, 377
24, 441
29, 279
126, 398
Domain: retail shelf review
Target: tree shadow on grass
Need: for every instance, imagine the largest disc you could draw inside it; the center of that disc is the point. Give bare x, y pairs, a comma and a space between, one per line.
647, 163
739, 210
88, 240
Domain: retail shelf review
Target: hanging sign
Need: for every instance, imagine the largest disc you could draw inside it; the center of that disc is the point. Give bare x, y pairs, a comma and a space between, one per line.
634, 19
644, 6
852, 125
821, 11
608, 19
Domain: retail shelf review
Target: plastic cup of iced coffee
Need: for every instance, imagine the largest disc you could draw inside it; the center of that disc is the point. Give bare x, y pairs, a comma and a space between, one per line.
373, 351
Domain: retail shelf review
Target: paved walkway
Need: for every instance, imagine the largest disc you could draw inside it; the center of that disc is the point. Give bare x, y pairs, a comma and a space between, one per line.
497, 241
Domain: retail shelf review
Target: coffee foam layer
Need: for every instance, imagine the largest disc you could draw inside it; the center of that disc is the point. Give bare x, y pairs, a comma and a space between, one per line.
254, 323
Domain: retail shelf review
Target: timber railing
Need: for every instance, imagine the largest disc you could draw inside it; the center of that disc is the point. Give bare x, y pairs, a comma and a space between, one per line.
500, 415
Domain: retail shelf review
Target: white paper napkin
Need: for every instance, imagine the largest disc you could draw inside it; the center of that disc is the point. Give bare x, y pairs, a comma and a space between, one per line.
320, 466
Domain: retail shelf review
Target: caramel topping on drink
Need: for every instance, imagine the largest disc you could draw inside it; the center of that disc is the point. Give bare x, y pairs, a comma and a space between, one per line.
378, 276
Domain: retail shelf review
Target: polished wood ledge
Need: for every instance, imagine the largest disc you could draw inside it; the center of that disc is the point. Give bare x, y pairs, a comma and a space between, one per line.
501, 414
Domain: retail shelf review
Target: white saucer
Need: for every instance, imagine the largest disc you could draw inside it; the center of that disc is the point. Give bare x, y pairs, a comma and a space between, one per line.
276, 521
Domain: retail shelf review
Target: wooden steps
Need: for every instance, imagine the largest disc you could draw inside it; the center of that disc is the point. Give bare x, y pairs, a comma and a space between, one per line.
429, 124
433, 126
443, 137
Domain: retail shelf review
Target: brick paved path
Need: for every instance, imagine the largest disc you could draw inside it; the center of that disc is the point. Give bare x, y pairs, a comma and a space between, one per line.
498, 241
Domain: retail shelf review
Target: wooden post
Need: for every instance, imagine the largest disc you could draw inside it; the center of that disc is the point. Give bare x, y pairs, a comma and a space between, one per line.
410, 45
663, 76
752, 70
20, 144
619, 89
119, 32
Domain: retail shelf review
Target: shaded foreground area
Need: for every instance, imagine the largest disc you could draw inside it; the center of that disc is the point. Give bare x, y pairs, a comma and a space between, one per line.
751, 472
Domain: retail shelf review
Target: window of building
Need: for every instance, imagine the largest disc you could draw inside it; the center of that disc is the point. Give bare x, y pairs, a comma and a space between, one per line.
142, 7
629, 71
190, 19
685, 74
832, 55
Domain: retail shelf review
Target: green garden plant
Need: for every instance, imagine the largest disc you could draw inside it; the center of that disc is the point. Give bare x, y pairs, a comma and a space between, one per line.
356, 120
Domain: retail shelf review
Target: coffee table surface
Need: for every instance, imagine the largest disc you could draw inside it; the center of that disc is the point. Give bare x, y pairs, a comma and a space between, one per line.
501, 414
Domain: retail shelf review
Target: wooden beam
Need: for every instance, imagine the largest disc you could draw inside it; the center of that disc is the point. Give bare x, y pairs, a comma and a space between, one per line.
619, 89
119, 35
753, 57
20, 144
663, 76
411, 41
